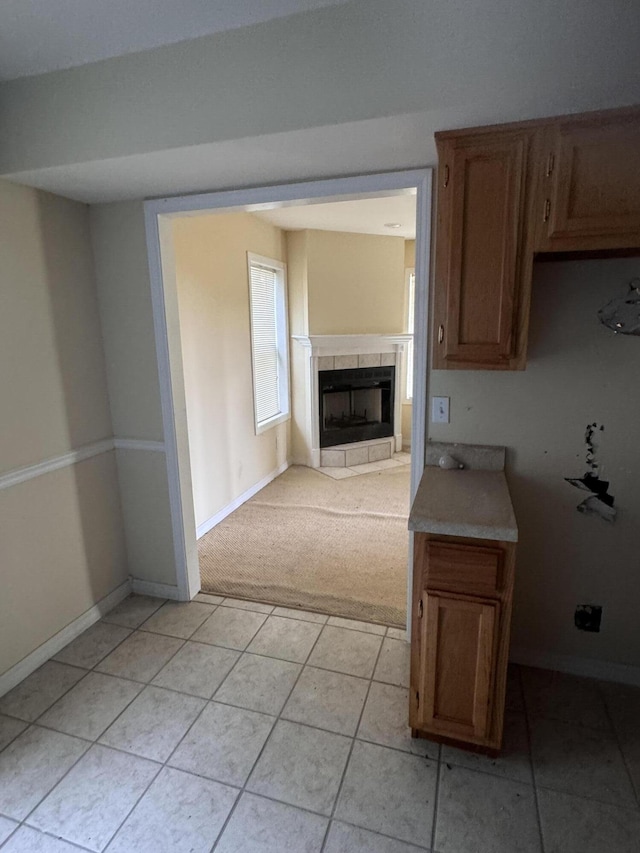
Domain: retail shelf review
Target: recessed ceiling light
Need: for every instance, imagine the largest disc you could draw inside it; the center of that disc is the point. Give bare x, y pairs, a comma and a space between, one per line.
392, 225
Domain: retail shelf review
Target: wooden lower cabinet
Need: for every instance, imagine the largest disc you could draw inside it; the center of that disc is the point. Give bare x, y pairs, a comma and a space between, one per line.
460, 639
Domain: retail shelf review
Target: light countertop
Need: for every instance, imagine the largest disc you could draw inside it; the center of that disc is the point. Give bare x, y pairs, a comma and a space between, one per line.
469, 503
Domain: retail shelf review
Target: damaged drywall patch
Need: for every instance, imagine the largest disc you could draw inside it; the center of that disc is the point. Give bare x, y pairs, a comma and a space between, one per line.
600, 502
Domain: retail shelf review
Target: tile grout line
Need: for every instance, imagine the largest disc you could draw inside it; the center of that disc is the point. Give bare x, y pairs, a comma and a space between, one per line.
436, 800
536, 799
352, 747
243, 789
616, 737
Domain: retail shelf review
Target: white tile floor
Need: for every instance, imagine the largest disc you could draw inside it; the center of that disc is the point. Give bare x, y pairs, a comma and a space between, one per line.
240, 728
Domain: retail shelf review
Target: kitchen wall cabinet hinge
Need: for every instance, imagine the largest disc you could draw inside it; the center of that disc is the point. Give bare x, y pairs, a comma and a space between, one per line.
550, 164
547, 210
445, 183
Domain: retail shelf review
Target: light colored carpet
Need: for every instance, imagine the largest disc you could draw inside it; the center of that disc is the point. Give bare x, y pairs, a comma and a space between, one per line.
306, 540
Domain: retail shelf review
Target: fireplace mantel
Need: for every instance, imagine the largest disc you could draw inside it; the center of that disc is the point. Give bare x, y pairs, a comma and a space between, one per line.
352, 344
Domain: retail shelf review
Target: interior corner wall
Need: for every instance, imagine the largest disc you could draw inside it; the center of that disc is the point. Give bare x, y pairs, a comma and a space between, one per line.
61, 539
227, 457
124, 294
355, 283
578, 373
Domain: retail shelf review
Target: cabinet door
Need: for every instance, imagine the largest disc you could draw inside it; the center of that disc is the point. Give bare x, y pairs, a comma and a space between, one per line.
479, 257
593, 188
458, 647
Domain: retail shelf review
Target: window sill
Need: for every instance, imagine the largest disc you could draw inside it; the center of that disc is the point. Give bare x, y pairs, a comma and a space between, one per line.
272, 422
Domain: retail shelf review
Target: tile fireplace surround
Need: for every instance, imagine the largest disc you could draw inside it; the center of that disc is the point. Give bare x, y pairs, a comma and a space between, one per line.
343, 352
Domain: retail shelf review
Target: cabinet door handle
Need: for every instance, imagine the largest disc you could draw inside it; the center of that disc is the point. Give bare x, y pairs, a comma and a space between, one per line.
547, 210
440, 333
445, 183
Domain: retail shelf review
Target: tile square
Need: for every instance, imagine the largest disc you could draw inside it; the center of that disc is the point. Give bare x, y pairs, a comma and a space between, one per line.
242, 604
230, 627
10, 728
93, 645
354, 625
32, 765
133, 611
389, 792
197, 669
573, 825
397, 634
301, 766
558, 696
332, 459
288, 639
393, 663
349, 839
209, 598
369, 359
92, 705
326, 362
350, 652
580, 761
178, 618
93, 799
514, 761
40, 690
346, 362
485, 814
378, 452
337, 473
154, 723
356, 456
223, 744
623, 703
180, 813
141, 656
6, 828
262, 826
304, 615
27, 840
259, 684
385, 721
328, 700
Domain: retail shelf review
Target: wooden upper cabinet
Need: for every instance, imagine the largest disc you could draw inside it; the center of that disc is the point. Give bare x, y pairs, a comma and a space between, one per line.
590, 192
479, 259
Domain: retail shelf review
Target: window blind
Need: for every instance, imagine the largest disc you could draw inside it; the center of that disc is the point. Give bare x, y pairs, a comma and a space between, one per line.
264, 342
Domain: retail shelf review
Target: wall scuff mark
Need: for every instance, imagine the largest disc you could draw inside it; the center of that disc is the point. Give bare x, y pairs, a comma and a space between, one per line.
600, 502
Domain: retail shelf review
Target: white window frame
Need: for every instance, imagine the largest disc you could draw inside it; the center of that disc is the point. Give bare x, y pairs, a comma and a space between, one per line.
282, 335
409, 319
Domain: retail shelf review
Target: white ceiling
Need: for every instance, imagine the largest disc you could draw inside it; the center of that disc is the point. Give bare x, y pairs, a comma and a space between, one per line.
362, 216
37, 36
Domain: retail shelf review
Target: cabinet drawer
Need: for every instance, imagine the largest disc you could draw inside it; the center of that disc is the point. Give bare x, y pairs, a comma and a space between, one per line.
464, 568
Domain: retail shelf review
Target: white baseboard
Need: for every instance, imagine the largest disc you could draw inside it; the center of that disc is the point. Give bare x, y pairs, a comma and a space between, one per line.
155, 590
586, 667
52, 646
210, 523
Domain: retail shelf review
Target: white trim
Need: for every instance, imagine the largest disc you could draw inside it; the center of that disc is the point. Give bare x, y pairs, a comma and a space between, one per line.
210, 523
176, 440
138, 444
585, 667
352, 344
55, 463
56, 643
155, 590
30, 472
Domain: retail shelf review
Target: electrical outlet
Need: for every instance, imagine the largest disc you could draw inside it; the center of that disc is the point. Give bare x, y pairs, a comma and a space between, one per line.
588, 617
439, 410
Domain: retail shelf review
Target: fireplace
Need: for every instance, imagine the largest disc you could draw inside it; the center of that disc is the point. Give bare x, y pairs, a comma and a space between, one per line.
355, 404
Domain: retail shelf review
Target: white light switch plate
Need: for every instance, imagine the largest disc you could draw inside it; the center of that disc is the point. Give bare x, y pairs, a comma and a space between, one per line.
439, 410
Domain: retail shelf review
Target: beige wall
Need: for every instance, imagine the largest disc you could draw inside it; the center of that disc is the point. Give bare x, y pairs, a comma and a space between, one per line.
227, 457
355, 283
407, 408
61, 542
578, 372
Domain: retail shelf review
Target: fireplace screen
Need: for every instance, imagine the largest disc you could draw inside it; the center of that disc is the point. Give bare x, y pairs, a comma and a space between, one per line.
355, 405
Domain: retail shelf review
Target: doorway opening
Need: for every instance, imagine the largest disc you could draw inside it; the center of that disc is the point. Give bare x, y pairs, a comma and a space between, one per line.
350, 375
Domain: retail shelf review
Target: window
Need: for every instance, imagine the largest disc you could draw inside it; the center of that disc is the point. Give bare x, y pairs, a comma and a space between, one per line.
410, 302
269, 344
